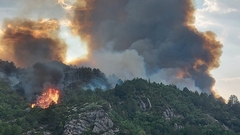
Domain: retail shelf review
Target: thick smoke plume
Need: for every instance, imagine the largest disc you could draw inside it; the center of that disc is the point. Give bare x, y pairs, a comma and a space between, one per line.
32, 44
40, 77
26, 41
153, 39
160, 34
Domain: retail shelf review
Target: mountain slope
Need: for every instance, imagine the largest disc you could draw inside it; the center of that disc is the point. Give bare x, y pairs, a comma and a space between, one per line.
132, 107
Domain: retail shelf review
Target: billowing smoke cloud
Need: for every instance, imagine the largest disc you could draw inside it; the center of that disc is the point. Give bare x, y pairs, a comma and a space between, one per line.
26, 41
126, 65
160, 34
153, 39
33, 44
41, 76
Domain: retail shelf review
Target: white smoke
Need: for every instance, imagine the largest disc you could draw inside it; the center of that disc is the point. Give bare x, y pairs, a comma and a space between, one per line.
169, 76
128, 64
125, 65
11, 79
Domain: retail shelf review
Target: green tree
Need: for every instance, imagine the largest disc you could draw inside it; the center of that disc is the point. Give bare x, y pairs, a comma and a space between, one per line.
8, 130
16, 130
233, 100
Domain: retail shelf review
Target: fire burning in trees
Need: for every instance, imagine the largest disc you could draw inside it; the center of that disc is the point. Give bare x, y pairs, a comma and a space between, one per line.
47, 98
127, 38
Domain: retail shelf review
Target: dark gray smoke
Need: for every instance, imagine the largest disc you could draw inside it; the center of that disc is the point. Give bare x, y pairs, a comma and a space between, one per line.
39, 77
34, 44
26, 41
161, 32
153, 39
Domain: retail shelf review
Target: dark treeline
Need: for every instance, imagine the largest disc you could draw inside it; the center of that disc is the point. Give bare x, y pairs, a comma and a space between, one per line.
136, 107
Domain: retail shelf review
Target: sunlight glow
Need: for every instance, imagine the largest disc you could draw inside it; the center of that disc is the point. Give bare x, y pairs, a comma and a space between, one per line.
77, 49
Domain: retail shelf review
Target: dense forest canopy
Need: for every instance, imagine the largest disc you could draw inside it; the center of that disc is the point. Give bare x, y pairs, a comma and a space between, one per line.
135, 106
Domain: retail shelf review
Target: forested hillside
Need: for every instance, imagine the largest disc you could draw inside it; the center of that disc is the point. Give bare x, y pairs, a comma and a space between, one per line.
133, 107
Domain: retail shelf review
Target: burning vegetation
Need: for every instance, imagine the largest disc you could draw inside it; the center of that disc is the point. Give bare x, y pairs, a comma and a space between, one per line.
127, 38
51, 96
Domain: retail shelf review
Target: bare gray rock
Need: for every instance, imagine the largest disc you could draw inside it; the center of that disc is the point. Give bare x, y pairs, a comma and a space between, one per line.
177, 126
168, 113
144, 103
96, 120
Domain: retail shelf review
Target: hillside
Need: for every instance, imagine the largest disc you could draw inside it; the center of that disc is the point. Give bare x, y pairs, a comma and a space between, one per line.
89, 104
132, 107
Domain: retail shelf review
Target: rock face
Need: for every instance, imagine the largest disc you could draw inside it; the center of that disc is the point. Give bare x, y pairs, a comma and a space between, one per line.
215, 120
90, 119
144, 103
168, 114
177, 127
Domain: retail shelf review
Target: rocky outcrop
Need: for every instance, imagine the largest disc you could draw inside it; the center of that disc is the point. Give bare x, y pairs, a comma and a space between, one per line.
144, 103
215, 120
168, 113
149, 103
31, 132
177, 126
225, 127
91, 118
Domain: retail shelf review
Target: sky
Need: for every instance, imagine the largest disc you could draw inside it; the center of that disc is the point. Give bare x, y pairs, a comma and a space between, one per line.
223, 18
220, 16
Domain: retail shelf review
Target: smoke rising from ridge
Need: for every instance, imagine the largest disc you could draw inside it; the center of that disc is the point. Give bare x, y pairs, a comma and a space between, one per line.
33, 44
40, 77
153, 39
161, 33
30, 41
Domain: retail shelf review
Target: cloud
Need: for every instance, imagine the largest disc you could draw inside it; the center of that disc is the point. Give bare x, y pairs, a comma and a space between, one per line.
222, 17
230, 79
218, 5
33, 9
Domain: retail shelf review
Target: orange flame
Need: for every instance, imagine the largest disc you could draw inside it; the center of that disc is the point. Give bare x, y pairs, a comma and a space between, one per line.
47, 98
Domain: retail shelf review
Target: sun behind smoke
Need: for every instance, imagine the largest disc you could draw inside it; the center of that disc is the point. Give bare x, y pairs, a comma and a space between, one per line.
76, 47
